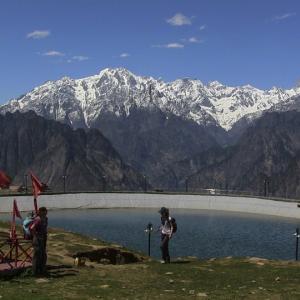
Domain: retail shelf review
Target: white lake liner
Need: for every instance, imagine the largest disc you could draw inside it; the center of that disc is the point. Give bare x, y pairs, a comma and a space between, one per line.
151, 200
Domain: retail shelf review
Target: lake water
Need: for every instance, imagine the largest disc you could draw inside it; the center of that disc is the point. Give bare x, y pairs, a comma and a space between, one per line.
204, 234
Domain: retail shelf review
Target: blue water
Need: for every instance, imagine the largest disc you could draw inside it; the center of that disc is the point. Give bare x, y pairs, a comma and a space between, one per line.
201, 233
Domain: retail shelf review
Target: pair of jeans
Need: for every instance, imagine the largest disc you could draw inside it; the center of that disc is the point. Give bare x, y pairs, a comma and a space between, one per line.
164, 246
39, 258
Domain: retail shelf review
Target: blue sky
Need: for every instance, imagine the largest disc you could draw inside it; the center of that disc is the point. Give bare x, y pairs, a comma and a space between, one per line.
236, 42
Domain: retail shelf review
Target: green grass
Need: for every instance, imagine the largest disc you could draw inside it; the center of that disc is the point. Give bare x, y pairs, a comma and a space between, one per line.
220, 279
189, 278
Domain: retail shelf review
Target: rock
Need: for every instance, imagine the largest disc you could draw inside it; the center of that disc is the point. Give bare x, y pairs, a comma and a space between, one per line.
192, 257
79, 261
169, 273
201, 295
192, 292
104, 261
104, 286
41, 280
144, 266
171, 281
185, 281
116, 246
277, 279
256, 259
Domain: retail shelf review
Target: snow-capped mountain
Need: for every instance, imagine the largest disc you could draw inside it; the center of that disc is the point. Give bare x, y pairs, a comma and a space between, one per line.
80, 101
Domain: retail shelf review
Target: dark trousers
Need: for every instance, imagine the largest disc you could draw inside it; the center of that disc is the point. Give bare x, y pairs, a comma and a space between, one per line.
39, 258
164, 246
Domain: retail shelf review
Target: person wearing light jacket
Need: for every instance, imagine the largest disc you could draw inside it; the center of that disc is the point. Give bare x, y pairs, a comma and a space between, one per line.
166, 230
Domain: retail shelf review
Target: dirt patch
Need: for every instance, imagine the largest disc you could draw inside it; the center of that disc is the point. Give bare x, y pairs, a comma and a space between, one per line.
108, 255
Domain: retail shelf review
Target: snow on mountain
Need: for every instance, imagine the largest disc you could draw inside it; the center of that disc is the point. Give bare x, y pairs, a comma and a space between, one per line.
80, 101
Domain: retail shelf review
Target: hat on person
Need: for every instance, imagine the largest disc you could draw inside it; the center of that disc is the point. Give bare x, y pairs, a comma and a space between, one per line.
163, 210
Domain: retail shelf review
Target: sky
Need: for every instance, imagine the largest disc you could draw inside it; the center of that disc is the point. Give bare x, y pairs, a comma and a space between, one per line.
235, 42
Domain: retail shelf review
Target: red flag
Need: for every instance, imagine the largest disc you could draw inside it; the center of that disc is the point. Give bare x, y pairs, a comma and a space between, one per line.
37, 186
5, 181
16, 211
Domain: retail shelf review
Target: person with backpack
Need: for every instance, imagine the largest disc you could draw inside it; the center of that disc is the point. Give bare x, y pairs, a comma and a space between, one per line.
38, 229
168, 228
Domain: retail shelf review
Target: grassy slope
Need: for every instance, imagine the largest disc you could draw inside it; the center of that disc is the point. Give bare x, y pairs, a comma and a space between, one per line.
184, 279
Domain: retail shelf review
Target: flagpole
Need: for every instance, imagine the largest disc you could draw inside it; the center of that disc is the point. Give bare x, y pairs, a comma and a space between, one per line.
14, 244
35, 205
13, 225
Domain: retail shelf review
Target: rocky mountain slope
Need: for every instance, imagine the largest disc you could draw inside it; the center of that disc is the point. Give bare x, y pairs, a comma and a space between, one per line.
51, 149
152, 140
268, 150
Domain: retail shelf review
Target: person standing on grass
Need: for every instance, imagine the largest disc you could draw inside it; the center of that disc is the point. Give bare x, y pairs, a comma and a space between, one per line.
166, 230
39, 229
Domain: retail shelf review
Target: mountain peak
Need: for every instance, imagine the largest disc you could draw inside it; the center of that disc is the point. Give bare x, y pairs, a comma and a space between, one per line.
215, 84
113, 71
64, 80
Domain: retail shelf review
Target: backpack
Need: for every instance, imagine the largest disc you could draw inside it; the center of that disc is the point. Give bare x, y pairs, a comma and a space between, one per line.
26, 228
173, 223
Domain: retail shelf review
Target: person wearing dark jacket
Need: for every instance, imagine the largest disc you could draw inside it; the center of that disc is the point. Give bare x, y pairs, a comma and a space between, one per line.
39, 229
166, 230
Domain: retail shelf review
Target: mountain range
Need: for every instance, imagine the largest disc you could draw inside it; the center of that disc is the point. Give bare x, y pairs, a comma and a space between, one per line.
80, 102
167, 131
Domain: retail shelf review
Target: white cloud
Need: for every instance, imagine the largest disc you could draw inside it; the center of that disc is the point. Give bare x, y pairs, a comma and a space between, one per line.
179, 20
283, 17
170, 45
53, 53
194, 40
80, 57
174, 45
202, 27
124, 55
38, 34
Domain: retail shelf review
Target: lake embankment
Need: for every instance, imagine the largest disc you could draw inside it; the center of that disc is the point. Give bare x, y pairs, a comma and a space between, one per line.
154, 200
